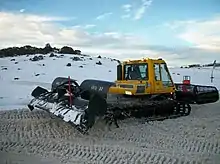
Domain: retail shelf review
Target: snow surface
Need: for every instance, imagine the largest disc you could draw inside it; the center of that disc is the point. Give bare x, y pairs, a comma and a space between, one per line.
30, 136
15, 94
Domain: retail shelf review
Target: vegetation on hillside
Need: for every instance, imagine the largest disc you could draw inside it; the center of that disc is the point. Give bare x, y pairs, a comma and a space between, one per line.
30, 50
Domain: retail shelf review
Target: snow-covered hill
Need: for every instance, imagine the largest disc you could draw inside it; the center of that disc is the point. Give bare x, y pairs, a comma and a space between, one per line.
20, 75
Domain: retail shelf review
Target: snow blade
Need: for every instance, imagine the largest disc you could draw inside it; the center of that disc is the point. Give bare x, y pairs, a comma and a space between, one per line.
82, 113
197, 93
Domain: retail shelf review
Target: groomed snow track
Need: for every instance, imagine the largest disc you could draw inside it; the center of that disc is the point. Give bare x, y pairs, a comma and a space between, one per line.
187, 140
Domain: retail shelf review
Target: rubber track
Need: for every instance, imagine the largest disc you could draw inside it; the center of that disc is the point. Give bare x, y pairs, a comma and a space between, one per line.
134, 142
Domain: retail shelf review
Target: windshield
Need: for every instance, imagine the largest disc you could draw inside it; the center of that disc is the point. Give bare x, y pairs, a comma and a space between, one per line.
136, 71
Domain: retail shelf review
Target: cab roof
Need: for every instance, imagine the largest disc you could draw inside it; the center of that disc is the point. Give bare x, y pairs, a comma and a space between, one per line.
144, 60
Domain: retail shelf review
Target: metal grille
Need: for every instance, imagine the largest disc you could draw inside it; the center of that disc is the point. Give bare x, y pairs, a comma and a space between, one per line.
140, 89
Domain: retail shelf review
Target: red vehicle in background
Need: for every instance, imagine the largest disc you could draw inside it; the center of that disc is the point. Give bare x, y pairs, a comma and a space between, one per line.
186, 79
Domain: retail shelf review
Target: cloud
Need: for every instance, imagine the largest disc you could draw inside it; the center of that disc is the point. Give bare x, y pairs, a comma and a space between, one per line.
127, 11
29, 18
203, 34
136, 13
178, 24
186, 55
22, 10
140, 11
103, 16
126, 7
88, 26
17, 29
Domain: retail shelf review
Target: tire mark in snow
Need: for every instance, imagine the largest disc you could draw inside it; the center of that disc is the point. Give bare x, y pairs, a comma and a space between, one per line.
37, 133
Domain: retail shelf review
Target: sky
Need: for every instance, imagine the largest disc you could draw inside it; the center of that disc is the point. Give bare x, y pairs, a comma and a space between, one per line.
181, 32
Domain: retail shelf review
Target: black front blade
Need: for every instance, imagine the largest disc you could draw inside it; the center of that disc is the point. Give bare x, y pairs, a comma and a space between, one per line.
197, 93
206, 94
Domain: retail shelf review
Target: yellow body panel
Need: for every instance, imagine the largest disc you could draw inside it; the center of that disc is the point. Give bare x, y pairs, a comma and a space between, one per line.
152, 86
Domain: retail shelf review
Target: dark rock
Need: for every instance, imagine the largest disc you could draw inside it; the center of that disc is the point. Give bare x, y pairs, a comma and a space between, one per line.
16, 62
52, 55
81, 66
178, 74
194, 65
66, 50
43, 64
99, 57
37, 58
90, 58
37, 74
75, 58
68, 65
16, 78
19, 68
40, 57
78, 52
5, 68
12, 59
98, 63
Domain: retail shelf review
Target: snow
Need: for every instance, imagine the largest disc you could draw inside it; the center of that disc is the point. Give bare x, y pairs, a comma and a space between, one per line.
27, 136
15, 94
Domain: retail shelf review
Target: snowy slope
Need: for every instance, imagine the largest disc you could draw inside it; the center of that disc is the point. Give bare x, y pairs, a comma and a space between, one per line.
19, 76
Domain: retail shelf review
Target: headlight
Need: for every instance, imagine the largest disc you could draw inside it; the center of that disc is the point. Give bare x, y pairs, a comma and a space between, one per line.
128, 93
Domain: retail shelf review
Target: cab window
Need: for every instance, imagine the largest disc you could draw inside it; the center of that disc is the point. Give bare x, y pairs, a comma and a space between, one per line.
166, 79
136, 71
157, 72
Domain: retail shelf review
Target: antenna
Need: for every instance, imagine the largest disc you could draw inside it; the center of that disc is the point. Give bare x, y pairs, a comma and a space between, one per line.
212, 77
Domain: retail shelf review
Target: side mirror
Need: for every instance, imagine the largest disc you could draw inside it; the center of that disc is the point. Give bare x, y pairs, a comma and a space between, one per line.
119, 72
